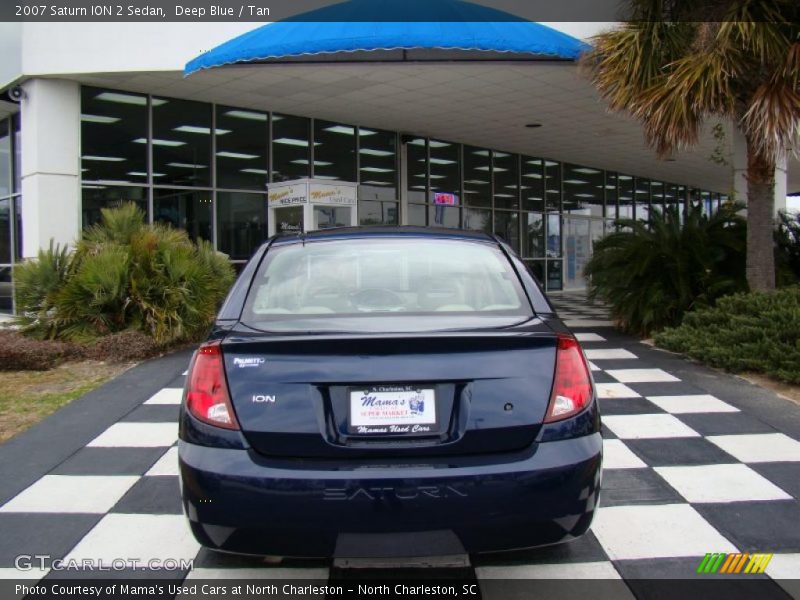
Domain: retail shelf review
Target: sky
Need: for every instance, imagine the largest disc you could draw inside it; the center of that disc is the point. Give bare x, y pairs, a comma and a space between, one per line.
793, 204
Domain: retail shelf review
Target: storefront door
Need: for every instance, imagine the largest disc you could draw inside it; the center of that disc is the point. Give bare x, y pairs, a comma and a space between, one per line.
580, 233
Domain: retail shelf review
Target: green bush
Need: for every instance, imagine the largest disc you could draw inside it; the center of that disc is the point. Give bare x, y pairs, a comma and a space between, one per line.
651, 276
756, 331
124, 275
787, 249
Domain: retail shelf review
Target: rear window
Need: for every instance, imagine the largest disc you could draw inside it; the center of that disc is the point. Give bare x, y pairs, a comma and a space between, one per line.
385, 284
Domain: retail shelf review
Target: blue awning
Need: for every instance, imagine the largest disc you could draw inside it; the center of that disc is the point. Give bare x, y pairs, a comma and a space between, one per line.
359, 26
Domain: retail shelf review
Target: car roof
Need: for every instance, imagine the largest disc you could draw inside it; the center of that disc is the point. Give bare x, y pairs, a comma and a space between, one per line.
371, 231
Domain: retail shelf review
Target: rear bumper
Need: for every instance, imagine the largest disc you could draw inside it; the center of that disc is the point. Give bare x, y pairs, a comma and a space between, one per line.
236, 504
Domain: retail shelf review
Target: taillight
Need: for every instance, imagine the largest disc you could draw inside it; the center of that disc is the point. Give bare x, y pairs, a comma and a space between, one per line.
207, 395
572, 386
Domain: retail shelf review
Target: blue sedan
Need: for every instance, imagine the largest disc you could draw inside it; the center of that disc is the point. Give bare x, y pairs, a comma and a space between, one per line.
397, 387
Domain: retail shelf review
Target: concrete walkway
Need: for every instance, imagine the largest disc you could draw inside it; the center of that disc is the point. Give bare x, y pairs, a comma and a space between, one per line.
696, 461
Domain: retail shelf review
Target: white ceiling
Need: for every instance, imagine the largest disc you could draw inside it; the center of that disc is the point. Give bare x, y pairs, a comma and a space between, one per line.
481, 103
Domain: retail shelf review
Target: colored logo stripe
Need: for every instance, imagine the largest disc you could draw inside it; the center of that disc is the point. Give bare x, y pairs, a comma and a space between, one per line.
720, 562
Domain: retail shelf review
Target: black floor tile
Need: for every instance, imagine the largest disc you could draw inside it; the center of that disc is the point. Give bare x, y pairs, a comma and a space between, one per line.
152, 495
679, 452
35, 534
757, 526
154, 413
636, 486
583, 549
109, 461
627, 406
725, 423
786, 475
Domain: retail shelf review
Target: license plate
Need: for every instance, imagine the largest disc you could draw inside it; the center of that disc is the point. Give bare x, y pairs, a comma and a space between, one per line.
392, 410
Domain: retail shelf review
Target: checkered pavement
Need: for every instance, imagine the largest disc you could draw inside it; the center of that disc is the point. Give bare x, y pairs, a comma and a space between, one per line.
685, 472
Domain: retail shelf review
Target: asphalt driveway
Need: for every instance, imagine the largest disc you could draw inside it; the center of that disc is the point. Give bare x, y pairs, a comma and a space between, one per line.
695, 462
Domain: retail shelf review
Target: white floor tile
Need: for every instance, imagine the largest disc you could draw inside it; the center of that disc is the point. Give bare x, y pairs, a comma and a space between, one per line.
784, 566
608, 353
140, 537
166, 465
616, 455
660, 531
589, 337
137, 435
759, 447
320, 573
615, 390
578, 323
588, 570
721, 483
166, 396
71, 494
641, 375
635, 427
701, 403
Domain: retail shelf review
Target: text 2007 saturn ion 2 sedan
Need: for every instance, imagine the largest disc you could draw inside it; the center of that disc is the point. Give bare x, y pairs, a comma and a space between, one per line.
375, 385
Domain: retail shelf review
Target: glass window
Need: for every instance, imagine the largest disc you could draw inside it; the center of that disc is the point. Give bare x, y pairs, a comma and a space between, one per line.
290, 148
552, 185
583, 191
506, 180
241, 223
611, 195
445, 174
371, 212
553, 235
417, 155
657, 189
184, 209
672, 197
417, 215
242, 148
532, 184
642, 199
506, 225
5, 231
95, 197
16, 161
477, 183
374, 284
5, 158
478, 220
181, 142
554, 275
626, 201
533, 235
18, 225
114, 136
377, 153
334, 151
444, 216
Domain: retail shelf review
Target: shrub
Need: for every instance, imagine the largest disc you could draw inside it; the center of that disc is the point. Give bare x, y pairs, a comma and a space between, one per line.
125, 346
787, 249
22, 353
650, 276
757, 331
124, 275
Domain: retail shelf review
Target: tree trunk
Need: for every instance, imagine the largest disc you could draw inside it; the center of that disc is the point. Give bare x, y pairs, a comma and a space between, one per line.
760, 221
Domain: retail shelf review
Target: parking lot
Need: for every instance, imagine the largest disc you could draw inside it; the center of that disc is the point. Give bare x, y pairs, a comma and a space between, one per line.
695, 462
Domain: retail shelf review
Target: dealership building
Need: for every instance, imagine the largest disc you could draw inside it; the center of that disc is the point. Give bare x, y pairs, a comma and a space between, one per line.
290, 126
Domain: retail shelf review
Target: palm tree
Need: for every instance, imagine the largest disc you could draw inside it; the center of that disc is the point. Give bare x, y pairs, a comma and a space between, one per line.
676, 63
